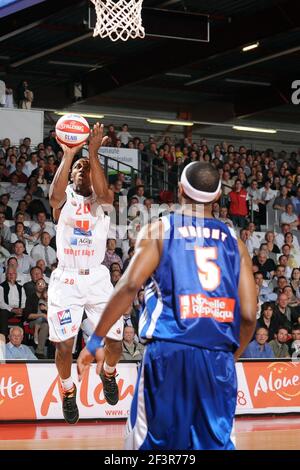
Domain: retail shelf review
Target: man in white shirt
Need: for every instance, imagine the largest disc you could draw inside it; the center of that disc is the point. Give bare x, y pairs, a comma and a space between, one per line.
9, 98
124, 135
25, 262
15, 349
289, 217
13, 263
5, 232
266, 193
31, 165
41, 226
2, 93
255, 199
140, 193
44, 251
223, 217
253, 238
16, 191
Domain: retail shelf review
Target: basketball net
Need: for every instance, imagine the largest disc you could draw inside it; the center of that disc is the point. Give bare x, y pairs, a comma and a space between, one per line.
119, 19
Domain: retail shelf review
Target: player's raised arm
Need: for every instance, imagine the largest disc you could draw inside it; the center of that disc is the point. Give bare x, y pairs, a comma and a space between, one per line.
248, 301
98, 179
143, 264
61, 177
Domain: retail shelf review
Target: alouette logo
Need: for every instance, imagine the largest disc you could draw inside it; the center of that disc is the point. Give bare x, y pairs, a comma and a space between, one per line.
10, 389
282, 378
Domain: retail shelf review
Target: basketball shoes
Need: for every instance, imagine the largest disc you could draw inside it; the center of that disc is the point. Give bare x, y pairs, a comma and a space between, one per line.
110, 388
70, 409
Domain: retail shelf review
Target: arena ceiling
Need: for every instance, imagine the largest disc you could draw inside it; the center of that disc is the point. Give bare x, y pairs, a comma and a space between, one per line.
52, 47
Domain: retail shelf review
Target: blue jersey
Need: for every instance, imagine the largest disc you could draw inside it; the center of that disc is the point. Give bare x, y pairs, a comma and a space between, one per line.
192, 297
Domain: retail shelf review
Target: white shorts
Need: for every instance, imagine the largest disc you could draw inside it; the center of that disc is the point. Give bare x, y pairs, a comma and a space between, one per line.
70, 293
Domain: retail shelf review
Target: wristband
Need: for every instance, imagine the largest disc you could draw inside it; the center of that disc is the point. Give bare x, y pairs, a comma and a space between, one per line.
95, 342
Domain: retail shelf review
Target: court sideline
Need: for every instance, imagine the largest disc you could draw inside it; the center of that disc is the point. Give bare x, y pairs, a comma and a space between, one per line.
255, 433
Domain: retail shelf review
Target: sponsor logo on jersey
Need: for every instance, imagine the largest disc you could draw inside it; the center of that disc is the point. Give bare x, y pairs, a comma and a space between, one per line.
79, 252
83, 241
220, 309
82, 233
64, 316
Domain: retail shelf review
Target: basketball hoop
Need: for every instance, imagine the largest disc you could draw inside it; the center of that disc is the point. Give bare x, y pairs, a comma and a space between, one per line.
119, 19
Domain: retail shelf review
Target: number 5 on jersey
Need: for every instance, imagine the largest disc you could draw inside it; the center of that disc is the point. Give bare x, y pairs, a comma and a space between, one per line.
208, 271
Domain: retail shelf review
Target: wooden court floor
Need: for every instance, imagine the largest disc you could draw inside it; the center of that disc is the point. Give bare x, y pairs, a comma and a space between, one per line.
264, 433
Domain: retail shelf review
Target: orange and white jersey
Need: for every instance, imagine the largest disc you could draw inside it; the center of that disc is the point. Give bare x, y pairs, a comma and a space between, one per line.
81, 232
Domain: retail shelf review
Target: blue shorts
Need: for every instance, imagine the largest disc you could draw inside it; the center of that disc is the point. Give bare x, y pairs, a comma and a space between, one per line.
185, 398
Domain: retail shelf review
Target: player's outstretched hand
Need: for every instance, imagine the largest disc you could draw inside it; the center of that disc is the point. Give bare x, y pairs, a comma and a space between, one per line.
70, 152
85, 359
83, 362
96, 138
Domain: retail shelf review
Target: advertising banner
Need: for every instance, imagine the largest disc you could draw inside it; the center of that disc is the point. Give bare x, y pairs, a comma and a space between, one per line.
32, 391
122, 155
268, 387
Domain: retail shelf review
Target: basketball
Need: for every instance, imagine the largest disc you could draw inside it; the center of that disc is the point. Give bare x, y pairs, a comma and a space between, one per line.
72, 129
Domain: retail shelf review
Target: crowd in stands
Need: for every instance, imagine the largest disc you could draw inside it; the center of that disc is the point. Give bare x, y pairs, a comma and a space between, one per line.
22, 99
252, 183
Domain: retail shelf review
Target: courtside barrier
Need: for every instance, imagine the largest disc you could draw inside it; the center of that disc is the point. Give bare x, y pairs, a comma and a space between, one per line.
31, 390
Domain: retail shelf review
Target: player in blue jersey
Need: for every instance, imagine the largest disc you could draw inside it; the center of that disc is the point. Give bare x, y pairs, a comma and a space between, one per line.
199, 315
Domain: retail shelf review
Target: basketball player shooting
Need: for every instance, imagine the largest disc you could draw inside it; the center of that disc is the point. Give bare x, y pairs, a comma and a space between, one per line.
80, 281
200, 314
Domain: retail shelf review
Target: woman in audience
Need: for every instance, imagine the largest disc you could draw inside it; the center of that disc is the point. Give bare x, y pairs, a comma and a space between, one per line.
22, 209
289, 240
37, 317
40, 176
4, 255
295, 282
42, 309
276, 183
20, 234
50, 169
5, 208
268, 320
28, 199
10, 164
33, 188
270, 238
4, 146
293, 301
111, 134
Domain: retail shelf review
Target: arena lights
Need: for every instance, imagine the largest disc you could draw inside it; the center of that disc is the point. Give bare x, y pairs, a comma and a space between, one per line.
172, 123
247, 82
250, 47
75, 64
95, 116
179, 75
254, 129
